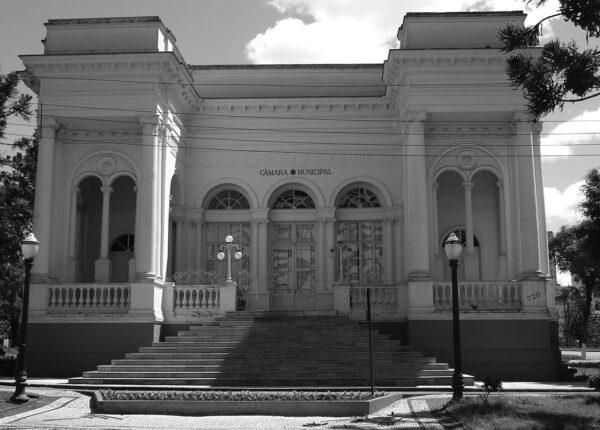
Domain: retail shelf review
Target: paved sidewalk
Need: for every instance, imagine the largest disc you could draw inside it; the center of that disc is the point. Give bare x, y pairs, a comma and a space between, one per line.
72, 411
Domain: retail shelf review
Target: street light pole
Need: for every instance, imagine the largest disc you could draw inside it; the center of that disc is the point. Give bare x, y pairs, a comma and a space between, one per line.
30, 248
229, 247
453, 249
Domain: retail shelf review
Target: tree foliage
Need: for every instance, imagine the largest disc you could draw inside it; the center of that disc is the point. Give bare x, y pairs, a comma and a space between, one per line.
576, 248
17, 186
562, 72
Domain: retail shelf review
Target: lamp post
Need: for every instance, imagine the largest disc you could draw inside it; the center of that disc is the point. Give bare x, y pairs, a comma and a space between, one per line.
453, 249
29, 248
229, 247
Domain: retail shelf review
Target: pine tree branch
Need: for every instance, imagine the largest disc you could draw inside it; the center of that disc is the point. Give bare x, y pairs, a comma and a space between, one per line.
580, 99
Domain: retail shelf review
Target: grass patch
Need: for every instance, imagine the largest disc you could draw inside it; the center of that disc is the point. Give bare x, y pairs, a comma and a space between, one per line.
529, 412
242, 395
8, 409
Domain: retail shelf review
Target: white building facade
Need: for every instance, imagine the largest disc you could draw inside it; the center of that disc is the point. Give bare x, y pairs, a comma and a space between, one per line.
331, 178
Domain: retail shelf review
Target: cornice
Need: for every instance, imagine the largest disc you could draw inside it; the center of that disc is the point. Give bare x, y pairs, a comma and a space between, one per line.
151, 68
301, 107
199, 158
446, 130
72, 136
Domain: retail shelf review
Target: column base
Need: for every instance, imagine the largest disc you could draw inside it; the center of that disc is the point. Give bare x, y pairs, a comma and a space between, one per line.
102, 270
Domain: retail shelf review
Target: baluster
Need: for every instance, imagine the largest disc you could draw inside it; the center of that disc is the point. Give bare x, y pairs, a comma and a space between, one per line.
77, 296
213, 298
119, 293
217, 298
205, 299
200, 298
50, 297
194, 298
84, 296
105, 296
512, 295
112, 296
69, 297
63, 296
126, 297
435, 295
187, 299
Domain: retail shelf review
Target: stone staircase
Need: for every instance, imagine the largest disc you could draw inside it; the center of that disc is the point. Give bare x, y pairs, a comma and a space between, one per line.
271, 350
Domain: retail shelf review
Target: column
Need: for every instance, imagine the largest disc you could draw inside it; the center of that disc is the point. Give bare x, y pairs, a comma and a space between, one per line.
438, 257
191, 244
527, 202
254, 260
321, 252
435, 221
388, 250
417, 220
470, 259
179, 245
102, 265
502, 263
330, 241
44, 195
542, 232
200, 246
146, 234
470, 247
74, 235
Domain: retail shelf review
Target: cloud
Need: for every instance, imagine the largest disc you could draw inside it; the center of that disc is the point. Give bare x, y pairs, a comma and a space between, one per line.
342, 31
558, 141
561, 206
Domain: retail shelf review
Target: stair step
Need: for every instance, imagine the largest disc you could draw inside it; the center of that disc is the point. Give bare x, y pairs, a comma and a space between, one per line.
262, 349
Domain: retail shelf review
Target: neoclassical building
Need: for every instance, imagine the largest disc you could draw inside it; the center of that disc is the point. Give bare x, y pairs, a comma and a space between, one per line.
331, 178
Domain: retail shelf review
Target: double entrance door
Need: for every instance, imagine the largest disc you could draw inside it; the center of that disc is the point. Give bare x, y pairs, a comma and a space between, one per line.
293, 276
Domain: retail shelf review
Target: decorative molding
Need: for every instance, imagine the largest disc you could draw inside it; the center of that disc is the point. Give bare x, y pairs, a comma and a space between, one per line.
325, 107
466, 159
106, 166
445, 130
200, 158
71, 136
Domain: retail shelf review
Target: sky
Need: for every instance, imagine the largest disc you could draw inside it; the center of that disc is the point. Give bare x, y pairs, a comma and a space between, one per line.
322, 31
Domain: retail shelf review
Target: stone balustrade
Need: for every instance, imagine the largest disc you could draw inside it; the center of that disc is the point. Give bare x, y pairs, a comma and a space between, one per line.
196, 298
86, 298
478, 296
384, 299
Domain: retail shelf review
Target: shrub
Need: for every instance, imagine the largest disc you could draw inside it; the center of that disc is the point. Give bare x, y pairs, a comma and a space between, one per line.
490, 385
594, 382
585, 364
242, 395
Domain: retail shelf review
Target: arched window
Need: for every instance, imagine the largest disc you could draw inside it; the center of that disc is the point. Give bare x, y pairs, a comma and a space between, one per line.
294, 199
229, 199
359, 197
123, 243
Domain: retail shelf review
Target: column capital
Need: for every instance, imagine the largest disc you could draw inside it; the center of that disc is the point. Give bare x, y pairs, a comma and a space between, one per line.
500, 185
49, 122
415, 116
468, 185
106, 190
435, 186
522, 122
149, 123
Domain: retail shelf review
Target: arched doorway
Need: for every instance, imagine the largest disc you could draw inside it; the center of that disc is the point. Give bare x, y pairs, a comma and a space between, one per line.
359, 231
89, 213
293, 238
121, 251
